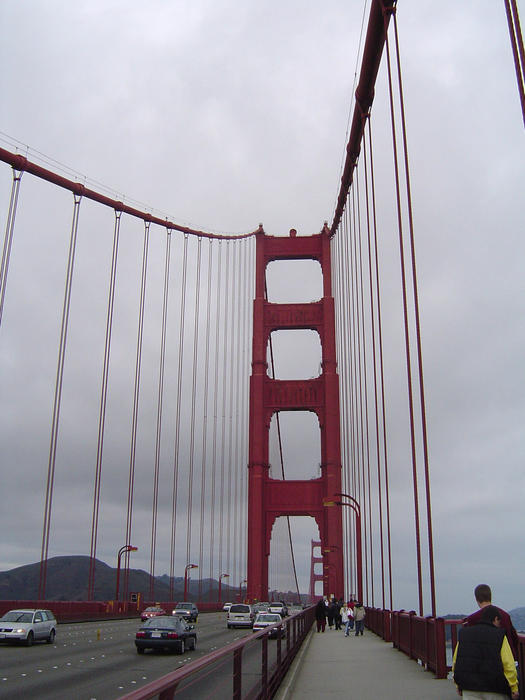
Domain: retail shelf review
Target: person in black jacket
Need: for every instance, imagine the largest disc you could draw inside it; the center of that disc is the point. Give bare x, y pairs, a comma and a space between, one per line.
483, 664
320, 615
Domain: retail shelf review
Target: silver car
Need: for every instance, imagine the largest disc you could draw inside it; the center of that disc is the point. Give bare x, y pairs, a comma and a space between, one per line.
28, 626
187, 611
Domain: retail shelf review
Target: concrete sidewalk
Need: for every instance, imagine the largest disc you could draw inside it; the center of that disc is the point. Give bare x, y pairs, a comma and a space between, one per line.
334, 666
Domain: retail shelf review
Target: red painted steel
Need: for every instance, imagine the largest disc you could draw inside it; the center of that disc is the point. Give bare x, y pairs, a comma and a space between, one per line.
22, 164
270, 498
378, 21
297, 627
313, 576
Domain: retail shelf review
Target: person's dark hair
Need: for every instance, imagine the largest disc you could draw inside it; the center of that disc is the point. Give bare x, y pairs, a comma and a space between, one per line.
490, 613
482, 593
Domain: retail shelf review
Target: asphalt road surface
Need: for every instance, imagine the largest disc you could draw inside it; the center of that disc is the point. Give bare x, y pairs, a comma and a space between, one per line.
98, 661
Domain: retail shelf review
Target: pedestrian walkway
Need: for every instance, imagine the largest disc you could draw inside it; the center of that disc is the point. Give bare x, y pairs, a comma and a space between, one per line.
333, 666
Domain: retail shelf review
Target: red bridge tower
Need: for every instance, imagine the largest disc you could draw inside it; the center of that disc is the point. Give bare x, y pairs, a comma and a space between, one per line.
270, 498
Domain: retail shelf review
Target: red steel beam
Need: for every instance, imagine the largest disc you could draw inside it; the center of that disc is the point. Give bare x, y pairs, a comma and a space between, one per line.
22, 164
378, 21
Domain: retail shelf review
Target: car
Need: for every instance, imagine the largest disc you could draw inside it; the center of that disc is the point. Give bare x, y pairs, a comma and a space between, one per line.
227, 606
239, 615
261, 607
188, 611
278, 607
166, 632
264, 620
27, 626
152, 611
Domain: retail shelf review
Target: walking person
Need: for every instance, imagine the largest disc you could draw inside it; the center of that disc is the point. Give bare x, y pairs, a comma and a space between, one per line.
359, 617
330, 613
337, 616
320, 615
483, 596
347, 618
483, 663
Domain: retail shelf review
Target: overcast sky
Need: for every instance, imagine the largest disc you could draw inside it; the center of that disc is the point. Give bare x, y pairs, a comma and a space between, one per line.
222, 115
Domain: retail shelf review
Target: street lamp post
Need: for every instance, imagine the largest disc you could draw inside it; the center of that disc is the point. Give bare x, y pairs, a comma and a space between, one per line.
359, 554
245, 580
186, 569
220, 584
125, 548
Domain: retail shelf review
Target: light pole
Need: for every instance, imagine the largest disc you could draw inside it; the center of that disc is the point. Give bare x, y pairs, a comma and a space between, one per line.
354, 505
220, 584
359, 555
186, 569
125, 548
245, 580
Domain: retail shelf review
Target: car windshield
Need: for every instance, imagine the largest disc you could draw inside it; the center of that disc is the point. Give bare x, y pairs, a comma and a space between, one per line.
183, 606
240, 609
268, 618
162, 621
17, 616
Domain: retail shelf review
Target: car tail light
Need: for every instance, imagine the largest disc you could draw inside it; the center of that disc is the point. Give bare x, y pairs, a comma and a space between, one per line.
173, 635
139, 635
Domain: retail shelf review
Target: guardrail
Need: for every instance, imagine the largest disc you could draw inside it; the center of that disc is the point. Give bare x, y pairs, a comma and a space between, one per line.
427, 639
77, 610
254, 676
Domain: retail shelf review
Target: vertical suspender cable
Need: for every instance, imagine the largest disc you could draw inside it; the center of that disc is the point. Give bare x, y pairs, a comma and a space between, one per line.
136, 395
215, 417
57, 400
204, 446
361, 389
234, 330
418, 330
381, 371
365, 382
102, 409
374, 367
8, 239
158, 431
224, 396
175, 486
351, 438
237, 491
407, 337
189, 504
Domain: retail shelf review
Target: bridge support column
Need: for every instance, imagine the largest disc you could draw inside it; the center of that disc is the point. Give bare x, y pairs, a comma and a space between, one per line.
270, 498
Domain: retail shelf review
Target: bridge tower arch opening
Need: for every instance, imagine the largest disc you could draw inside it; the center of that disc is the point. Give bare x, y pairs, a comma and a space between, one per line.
270, 498
282, 584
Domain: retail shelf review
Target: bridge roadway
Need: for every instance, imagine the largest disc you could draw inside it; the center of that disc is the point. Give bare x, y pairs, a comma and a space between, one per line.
81, 666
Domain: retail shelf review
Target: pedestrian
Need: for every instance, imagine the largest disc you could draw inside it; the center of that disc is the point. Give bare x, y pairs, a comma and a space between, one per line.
359, 617
483, 664
347, 617
337, 616
351, 605
320, 615
330, 614
483, 596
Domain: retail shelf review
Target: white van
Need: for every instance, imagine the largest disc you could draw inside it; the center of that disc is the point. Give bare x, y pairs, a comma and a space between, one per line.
240, 615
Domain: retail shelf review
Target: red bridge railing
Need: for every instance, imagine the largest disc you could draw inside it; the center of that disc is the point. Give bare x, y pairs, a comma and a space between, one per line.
253, 674
426, 639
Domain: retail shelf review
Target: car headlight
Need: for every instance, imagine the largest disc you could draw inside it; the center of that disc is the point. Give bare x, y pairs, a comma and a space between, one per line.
20, 631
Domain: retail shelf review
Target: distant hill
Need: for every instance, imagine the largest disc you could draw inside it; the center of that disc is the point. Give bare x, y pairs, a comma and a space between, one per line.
67, 579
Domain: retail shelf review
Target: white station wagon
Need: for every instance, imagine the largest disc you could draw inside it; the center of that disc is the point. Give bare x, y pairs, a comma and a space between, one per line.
28, 626
239, 615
